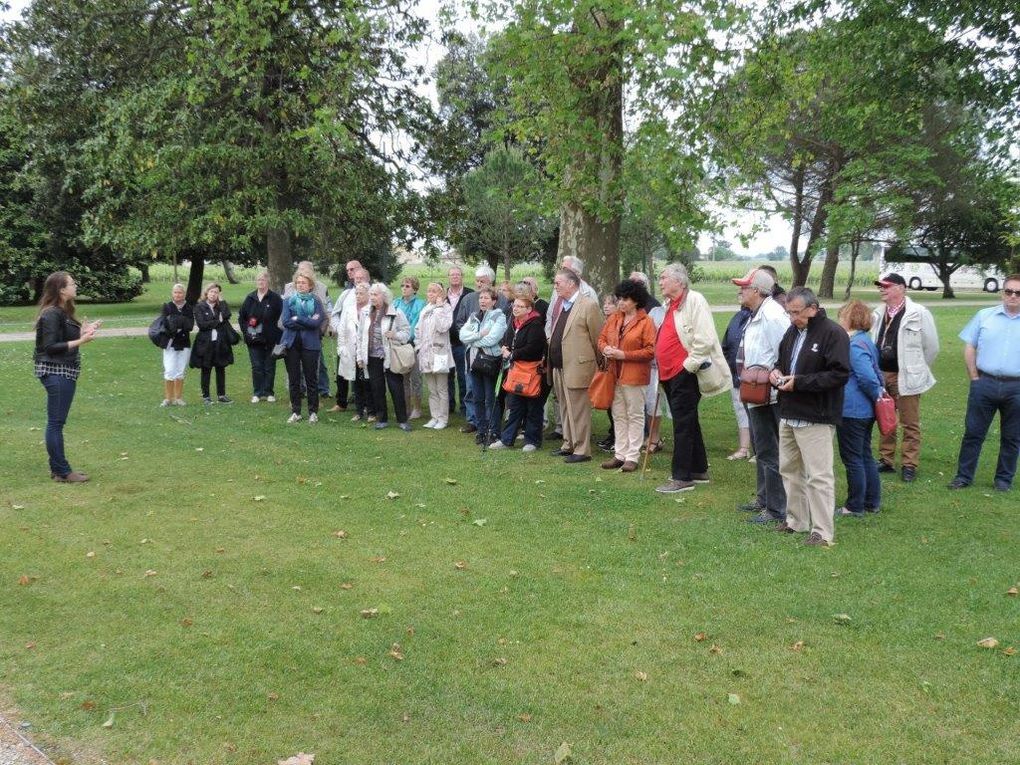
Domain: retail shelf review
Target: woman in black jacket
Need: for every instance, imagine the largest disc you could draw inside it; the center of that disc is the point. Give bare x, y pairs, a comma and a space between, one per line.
58, 335
259, 319
523, 341
212, 344
180, 320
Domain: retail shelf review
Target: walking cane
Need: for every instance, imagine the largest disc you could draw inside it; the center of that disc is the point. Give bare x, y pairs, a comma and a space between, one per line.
648, 441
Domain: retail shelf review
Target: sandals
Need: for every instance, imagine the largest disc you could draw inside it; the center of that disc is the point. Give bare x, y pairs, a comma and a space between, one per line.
655, 446
740, 454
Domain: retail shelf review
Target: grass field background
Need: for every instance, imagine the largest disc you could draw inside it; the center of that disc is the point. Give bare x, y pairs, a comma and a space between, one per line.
195, 596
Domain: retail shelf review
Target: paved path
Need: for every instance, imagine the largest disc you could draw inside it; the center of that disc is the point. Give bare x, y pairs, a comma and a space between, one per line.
20, 337
15, 749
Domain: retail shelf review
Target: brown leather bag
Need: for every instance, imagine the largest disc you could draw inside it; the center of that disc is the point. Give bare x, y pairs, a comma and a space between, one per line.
603, 388
755, 387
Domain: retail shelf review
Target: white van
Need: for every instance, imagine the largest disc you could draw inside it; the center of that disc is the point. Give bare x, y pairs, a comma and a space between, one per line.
922, 276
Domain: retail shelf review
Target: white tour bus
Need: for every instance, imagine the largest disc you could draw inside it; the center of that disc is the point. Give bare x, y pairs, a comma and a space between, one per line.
922, 276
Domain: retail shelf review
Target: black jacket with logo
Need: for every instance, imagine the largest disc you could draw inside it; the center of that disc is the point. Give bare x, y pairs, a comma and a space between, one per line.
823, 367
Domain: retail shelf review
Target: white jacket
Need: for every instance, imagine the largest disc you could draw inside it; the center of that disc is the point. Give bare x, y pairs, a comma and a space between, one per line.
348, 331
762, 336
696, 330
917, 345
432, 336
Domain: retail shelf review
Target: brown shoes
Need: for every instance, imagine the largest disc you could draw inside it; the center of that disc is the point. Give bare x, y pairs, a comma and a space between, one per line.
816, 540
70, 478
629, 467
612, 464
782, 528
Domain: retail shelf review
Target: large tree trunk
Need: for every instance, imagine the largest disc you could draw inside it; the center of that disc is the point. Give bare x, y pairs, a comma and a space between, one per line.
597, 244
195, 273
855, 249
827, 284
279, 258
799, 271
945, 271
144, 268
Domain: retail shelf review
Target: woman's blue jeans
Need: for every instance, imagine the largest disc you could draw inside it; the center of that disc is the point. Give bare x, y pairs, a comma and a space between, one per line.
863, 488
59, 395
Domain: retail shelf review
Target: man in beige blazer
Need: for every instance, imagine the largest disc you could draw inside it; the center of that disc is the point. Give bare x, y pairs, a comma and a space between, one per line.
573, 346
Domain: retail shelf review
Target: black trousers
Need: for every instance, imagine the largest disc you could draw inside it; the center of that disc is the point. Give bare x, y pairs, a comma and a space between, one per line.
221, 381
378, 380
689, 455
303, 367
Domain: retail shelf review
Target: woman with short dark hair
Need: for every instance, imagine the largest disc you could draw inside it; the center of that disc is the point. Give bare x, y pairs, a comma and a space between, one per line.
259, 318
58, 336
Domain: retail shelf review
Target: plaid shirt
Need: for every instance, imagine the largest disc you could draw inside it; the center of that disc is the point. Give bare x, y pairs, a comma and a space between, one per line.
43, 368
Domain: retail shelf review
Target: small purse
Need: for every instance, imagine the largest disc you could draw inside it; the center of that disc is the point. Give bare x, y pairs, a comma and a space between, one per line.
885, 414
523, 379
755, 387
484, 364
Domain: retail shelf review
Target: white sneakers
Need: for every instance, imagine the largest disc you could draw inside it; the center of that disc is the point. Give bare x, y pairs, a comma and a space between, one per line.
255, 399
294, 418
430, 424
497, 445
528, 448
271, 399
440, 424
313, 418
166, 403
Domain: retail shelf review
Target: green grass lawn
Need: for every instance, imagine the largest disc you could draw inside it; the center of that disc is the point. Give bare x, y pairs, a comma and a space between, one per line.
195, 595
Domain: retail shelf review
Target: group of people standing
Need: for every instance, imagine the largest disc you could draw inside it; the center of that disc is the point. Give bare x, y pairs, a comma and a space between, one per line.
506, 352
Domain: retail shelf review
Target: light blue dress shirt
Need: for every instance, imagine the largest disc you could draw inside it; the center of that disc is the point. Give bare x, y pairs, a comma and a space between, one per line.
996, 335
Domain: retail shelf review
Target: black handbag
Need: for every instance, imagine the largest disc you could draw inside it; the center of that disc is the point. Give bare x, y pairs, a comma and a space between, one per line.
230, 334
159, 332
484, 364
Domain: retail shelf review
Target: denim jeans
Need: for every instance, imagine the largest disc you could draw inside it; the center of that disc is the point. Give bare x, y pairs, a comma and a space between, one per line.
988, 396
263, 370
689, 455
863, 489
764, 423
482, 398
458, 380
59, 395
301, 368
526, 411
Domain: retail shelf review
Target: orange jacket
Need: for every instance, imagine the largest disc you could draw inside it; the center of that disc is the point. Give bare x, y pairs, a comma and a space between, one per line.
637, 343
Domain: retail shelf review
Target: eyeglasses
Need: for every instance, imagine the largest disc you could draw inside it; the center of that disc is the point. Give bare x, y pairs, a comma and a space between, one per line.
1011, 293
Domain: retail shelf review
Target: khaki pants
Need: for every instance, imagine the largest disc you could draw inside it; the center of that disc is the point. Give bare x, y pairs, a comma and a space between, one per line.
629, 421
576, 410
908, 410
805, 462
439, 401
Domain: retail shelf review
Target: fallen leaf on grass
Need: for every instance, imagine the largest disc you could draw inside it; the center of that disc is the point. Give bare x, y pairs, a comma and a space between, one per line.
221, 549
480, 521
258, 498
24, 580
207, 574
1010, 651
642, 676
296, 588
360, 661
378, 559
392, 495
186, 622
988, 642
369, 613
562, 753
1012, 591
317, 609
524, 717
30, 645
344, 496
150, 572
798, 646
88, 705
17, 507
499, 661
109, 721
395, 653
451, 481
841, 618
90, 554
717, 650
346, 586
734, 698
298, 759
460, 565
700, 637
273, 696
340, 534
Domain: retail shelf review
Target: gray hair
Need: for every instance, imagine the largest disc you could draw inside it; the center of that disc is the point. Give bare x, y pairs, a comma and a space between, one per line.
383, 290
803, 294
676, 271
570, 276
178, 286
484, 272
641, 277
573, 263
259, 274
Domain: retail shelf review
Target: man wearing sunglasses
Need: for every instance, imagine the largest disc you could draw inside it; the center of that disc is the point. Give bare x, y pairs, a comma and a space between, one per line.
908, 343
991, 352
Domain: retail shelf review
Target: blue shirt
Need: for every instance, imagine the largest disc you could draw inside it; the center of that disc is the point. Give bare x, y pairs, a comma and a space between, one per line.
996, 335
411, 309
865, 385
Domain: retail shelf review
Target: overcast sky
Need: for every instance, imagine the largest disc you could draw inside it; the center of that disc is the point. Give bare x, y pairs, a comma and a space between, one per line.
776, 233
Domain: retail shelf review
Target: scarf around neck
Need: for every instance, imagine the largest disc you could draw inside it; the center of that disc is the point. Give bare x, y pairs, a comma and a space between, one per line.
302, 303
